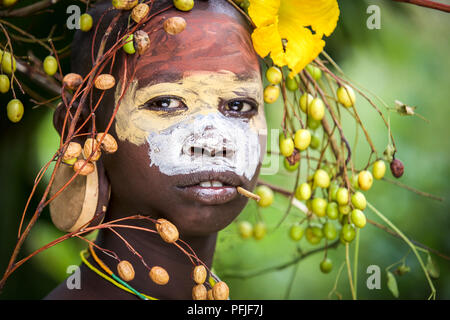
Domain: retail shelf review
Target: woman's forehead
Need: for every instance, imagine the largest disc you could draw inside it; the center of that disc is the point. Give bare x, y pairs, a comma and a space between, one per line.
211, 42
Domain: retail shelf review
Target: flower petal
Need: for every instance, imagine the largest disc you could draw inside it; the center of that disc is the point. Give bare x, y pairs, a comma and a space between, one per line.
321, 15
263, 12
267, 40
302, 47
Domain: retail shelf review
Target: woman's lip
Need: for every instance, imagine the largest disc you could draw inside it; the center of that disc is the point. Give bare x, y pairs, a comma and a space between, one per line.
209, 195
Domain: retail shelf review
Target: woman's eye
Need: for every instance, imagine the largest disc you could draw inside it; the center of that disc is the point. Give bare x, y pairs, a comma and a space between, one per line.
165, 104
240, 106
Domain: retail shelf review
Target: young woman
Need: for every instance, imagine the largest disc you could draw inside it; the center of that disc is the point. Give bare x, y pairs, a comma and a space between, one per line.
190, 129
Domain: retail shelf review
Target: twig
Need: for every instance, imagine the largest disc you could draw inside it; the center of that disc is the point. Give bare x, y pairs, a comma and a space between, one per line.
245, 275
428, 4
28, 10
424, 194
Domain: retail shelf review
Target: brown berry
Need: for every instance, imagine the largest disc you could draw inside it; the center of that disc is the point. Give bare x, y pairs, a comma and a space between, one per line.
140, 12
210, 294
125, 270
199, 292
141, 41
87, 169
72, 81
220, 291
104, 82
90, 146
109, 144
199, 274
167, 231
174, 25
73, 151
397, 168
159, 275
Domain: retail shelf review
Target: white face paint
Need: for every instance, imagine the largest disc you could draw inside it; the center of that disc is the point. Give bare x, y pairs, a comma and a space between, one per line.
175, 141
227, 144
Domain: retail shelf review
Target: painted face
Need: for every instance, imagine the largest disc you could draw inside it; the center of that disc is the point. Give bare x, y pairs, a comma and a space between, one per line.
191, 126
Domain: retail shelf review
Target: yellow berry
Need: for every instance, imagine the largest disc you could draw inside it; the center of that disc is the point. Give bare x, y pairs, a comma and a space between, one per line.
342, 196
302, 139
365, 180
322, 179
50, 65
245, 229
274, 75
259, 231
359, 200
286, 146
266, 195
14, 110
316, 109
86, 22
305, 101
346, 96
6, 59
4, 83
319, 206
183, 5
379, 169
271, 93
303, 191
358, 218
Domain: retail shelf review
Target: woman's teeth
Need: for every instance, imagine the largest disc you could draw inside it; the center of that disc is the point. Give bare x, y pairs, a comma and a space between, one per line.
209, 184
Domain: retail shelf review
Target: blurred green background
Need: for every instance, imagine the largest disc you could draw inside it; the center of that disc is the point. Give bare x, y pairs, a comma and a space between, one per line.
407, 59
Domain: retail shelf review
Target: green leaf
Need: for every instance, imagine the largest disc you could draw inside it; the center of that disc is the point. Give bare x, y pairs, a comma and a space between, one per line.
392, 284
432, 268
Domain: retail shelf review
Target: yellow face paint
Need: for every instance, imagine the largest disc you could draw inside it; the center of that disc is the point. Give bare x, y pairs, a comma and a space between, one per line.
202, 93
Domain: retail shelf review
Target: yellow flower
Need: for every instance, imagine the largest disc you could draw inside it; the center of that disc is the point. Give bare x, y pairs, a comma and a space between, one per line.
283, 29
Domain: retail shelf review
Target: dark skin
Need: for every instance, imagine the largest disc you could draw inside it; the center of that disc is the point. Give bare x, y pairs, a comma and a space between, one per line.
137, 188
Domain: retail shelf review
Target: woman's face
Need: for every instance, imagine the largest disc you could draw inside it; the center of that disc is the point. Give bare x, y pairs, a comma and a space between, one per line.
191, 126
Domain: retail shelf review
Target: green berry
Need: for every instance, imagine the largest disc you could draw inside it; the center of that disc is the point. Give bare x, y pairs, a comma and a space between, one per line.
332, 190
319, 207
302, 139
291, 83
15, 110
332, 210
274, 75
316, 109
359, 200
342, 196
271, 93
290, 167
315, 141
266, 195
358, 218
326, 266
346, 96
379, 169
184, 5
303, 191
50, 65
348, 232
86, 22
312, 235
129, 45
245, 229
286, 146
296, 232
4, 83
6, 62
345, 209
321, 179
354, 182
313, 124
365, 180
305, 101
259, 230
329, 231
315, 72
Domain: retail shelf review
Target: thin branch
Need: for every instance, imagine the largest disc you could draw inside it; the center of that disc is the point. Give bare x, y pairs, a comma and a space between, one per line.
28, 10
421, 193
428, 4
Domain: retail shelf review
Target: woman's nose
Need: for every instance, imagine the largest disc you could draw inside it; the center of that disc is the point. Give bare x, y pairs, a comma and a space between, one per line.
209, 143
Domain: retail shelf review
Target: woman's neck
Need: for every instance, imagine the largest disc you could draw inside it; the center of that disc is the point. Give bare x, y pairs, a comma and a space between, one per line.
155, 252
